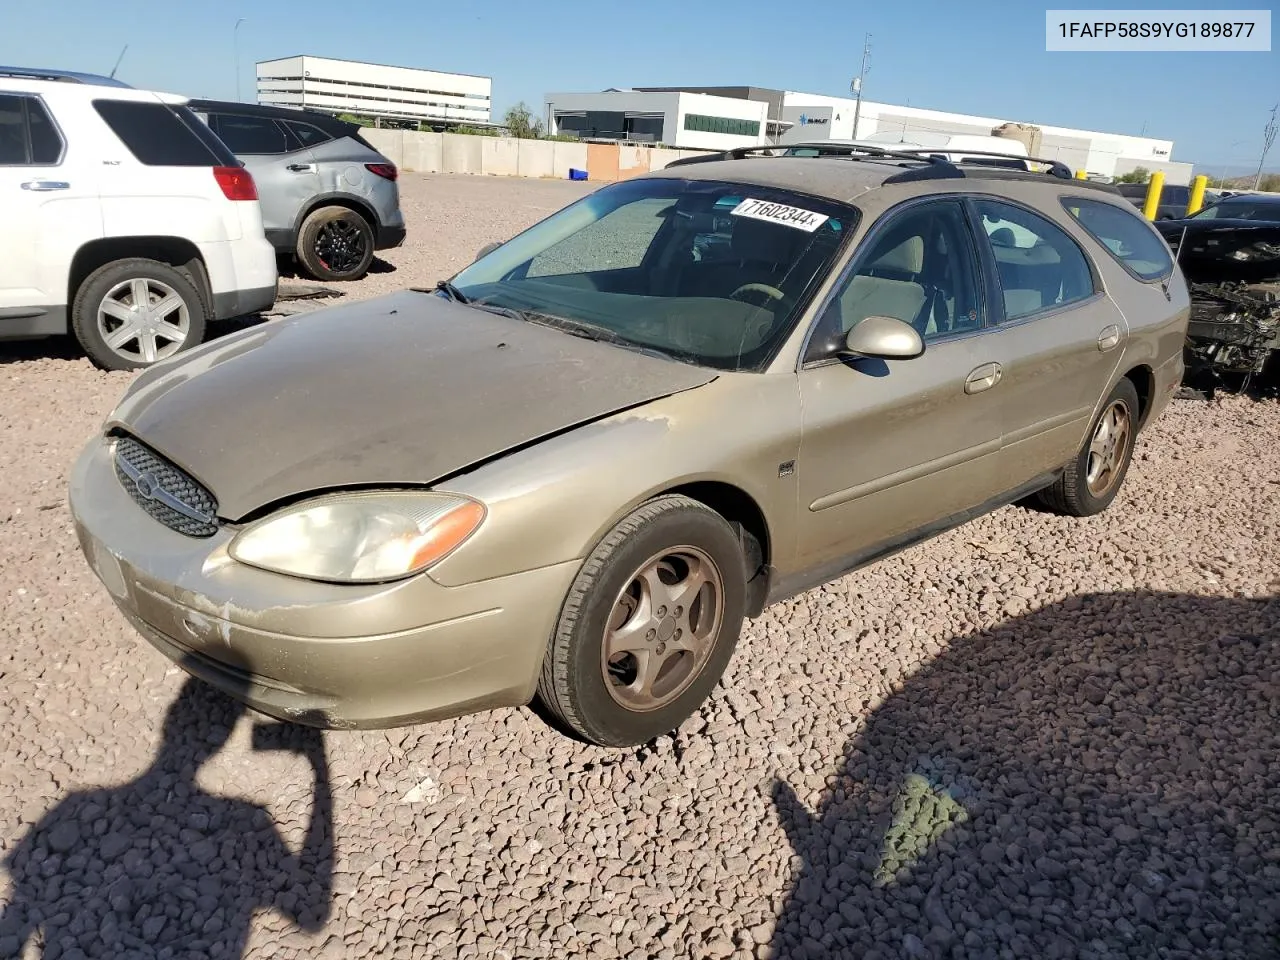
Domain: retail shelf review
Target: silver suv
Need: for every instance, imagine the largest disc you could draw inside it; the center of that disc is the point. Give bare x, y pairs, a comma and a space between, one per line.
328, 197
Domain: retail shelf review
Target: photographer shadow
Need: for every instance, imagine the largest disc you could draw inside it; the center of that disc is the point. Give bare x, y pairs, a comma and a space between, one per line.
1094, 779
159, 866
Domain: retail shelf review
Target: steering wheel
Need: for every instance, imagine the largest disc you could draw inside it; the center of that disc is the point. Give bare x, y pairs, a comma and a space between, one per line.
772, 293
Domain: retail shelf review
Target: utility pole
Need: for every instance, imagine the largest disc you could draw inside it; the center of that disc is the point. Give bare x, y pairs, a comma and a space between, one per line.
1268, 138
235, 43
856, 86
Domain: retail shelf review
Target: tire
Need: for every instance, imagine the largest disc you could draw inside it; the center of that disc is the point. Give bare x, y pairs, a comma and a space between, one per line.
122, 283
1073, 494
335, 244
598, 697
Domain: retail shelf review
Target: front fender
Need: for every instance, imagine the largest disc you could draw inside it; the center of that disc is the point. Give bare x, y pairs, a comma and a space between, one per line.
554, 501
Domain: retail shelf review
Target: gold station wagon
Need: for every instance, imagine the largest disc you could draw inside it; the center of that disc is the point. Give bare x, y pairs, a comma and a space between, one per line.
572, 470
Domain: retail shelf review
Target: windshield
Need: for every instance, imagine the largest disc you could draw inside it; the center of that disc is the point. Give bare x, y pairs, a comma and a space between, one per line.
1242, 208
706, 272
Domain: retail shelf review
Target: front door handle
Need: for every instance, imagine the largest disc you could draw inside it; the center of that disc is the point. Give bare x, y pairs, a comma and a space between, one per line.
983, 378
1108, 338
41, 185
302, 167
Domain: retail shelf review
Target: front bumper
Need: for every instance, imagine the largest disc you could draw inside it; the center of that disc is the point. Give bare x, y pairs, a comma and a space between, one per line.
346, 656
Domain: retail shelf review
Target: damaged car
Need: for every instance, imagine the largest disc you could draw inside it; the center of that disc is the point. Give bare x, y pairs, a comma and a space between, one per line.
1230, 255
572, 470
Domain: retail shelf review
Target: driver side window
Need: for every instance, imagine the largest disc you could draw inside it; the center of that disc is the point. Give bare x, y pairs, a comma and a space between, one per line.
920, 267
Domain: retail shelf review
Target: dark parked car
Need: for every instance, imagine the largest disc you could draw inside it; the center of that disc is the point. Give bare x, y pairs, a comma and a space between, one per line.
328, 197
1173, 198
1230, 255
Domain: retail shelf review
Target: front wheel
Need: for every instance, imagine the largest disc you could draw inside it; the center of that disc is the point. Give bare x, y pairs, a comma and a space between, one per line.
335, 244
648, 626
1091, 481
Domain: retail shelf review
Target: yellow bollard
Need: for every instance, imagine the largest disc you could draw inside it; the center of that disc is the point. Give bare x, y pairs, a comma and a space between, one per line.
1197, 194
1081, 175
1152, 203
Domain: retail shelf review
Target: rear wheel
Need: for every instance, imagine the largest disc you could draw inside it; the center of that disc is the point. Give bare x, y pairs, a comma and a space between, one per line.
335, 244
131, 313
648, 626
1091, 481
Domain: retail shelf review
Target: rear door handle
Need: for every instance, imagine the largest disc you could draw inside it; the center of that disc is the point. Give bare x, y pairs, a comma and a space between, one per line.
301, 167
42, 185
983, 377
1108, 338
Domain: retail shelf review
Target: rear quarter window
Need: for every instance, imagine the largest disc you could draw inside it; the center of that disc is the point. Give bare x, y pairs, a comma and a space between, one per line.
308, 135
162, 135
1128, 239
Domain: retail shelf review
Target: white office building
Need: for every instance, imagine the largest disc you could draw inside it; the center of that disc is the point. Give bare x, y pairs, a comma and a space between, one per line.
752, 116
373, 90
674, 118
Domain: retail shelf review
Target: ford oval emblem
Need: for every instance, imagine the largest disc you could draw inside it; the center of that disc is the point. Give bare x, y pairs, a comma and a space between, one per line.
146, 485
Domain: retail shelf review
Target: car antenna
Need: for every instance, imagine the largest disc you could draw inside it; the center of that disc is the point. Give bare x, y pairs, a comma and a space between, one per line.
1177, 258
118, 59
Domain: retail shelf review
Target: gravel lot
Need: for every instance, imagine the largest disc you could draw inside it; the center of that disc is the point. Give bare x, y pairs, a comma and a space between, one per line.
1030, 737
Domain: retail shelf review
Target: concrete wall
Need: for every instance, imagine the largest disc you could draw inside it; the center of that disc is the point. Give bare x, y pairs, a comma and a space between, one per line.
415, 152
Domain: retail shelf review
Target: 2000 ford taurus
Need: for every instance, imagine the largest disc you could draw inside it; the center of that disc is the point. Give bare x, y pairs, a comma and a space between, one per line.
573, 470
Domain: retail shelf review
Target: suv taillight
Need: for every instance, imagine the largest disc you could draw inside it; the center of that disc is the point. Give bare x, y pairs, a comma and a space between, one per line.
387, 171
236, 183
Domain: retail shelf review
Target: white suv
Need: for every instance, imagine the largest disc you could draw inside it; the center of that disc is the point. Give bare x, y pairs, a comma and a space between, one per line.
126, 220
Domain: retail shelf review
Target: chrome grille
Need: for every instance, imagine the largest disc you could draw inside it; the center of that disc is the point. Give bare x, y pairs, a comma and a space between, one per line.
165, 492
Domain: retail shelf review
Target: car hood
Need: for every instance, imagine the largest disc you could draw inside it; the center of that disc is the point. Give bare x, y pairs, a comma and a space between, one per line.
406, 389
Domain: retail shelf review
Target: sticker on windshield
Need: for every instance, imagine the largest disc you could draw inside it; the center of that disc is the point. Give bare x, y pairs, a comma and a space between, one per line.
805, 220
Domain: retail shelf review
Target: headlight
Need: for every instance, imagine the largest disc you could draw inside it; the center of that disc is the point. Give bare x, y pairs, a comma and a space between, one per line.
359, 537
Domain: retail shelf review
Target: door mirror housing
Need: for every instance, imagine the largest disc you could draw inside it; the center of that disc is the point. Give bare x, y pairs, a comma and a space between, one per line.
487, 249
885, 338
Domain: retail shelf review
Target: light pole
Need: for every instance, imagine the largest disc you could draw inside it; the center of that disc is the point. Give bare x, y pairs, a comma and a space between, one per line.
235, 43
857, 85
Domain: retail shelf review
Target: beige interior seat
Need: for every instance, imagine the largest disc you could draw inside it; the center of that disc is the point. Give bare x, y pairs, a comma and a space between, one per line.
872, 294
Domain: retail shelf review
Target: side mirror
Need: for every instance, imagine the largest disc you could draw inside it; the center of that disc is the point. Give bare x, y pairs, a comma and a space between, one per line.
487, 249
885, 338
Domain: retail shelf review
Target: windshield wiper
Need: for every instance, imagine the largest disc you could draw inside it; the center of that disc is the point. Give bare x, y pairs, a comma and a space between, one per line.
452, 292
589, 331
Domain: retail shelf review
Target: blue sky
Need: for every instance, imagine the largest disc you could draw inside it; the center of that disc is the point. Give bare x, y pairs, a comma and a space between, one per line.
969, 56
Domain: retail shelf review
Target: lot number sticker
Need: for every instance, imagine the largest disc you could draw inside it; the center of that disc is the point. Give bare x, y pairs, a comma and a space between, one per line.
805, 220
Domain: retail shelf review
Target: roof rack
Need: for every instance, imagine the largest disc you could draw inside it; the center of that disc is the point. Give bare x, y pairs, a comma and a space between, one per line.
1056, 167
63, 76
930, 163
874, 153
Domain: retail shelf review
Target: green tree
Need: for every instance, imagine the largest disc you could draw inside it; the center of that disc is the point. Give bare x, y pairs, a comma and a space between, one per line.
520, 122
1136, 175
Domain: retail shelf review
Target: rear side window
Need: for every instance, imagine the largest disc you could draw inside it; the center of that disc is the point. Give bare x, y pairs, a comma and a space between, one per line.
28, 137
1127, 238
1039, 265
308, 135
250, 136
161, 135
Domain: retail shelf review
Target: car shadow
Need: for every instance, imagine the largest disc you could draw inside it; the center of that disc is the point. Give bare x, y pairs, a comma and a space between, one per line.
1095, 779
288, 268
160, 867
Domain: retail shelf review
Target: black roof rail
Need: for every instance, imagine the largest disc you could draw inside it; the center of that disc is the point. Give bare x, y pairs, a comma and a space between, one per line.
1056, 167
844, 150
932, 163
65, 76
977, 171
